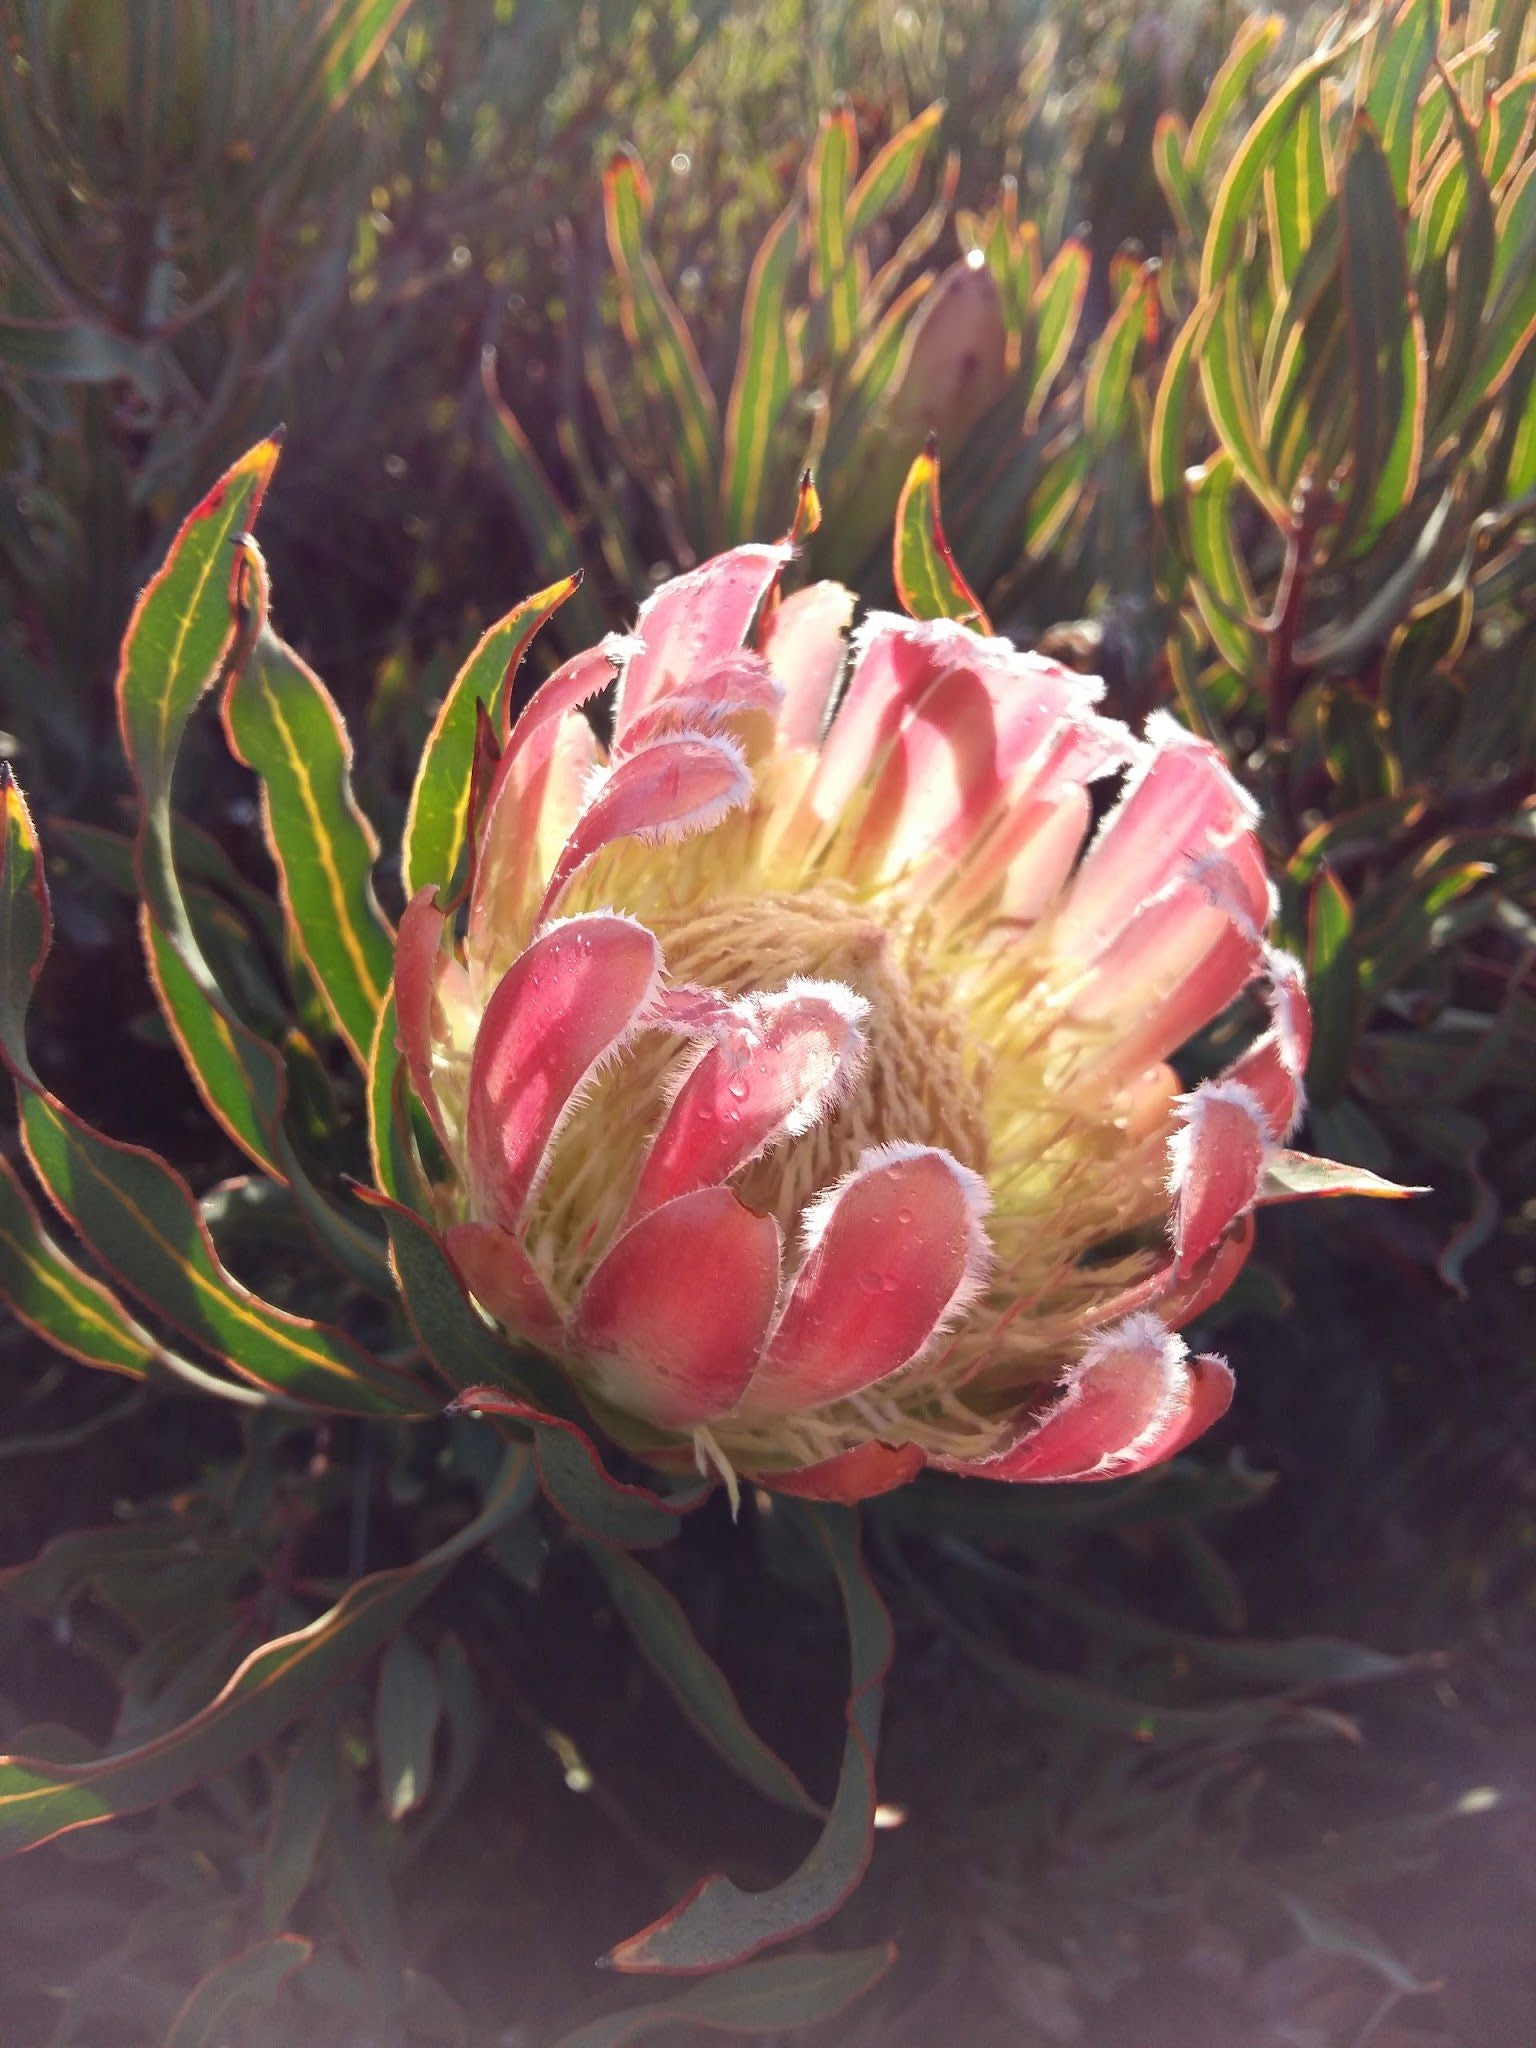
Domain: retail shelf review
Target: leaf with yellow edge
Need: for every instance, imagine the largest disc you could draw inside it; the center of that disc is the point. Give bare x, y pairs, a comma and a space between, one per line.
1056, 309
439, 807
893, 171
765, 374
1298, 1177
928, 579
135, 1215
56, 1299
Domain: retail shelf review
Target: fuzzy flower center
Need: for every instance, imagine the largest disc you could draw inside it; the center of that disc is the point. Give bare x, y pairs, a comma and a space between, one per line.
923, 1080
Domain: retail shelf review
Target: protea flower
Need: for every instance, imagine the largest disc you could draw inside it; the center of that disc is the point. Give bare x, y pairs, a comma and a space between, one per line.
804, 1071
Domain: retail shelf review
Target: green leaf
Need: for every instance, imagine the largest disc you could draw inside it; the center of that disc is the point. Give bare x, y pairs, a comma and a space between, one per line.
458, 1341
58, 1300
893, 171
439, 807
1169, 436
576, 1481
1476, 239
407, 1708
545, 520
182, 632
272, 1687
779, 1995
1254, 40
1387, 348
283, 723
666, 1640
1111, 361
136, 1216
1504, 135
1221, 588
1397, 78
666, 360
244, 1985
1056, 309
1238, 194
396, 1169
1229, 380
719, 1924
189, 625
1056, 497
928, 579
306, 1793
765, 375
322, 54
1296, 189
1333, 980
1297, 1177
828, 181
1170, 141
77, 352
1509, 322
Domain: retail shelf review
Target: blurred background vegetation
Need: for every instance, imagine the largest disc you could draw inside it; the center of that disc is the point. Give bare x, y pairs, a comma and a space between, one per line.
1240, 417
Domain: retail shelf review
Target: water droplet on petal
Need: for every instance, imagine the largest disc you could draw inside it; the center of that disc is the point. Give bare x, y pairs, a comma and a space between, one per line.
873, 1282
737, 1088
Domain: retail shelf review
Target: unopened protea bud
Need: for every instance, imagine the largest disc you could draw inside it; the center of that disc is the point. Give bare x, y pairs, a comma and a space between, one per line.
955, 363
804, 1076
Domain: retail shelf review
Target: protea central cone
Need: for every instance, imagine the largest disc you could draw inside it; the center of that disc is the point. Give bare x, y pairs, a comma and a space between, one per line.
804, 1074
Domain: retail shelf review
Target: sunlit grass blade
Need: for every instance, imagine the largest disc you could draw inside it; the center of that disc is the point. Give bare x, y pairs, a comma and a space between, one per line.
666, 359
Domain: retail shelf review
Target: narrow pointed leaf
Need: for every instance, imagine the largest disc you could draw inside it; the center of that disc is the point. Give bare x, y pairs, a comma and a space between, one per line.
45, 1289
1230, 382
407, 1708
928, 579
719, 1924
439, 807
666, 1640
1400, 69
1056, 310
136, 1216
1333, 983
1241, 185
273, 1686
893, 171
779, 1995
829, 178
1221, 588
1254, 41
666, 359
765, 373
283, 723
244, 1986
